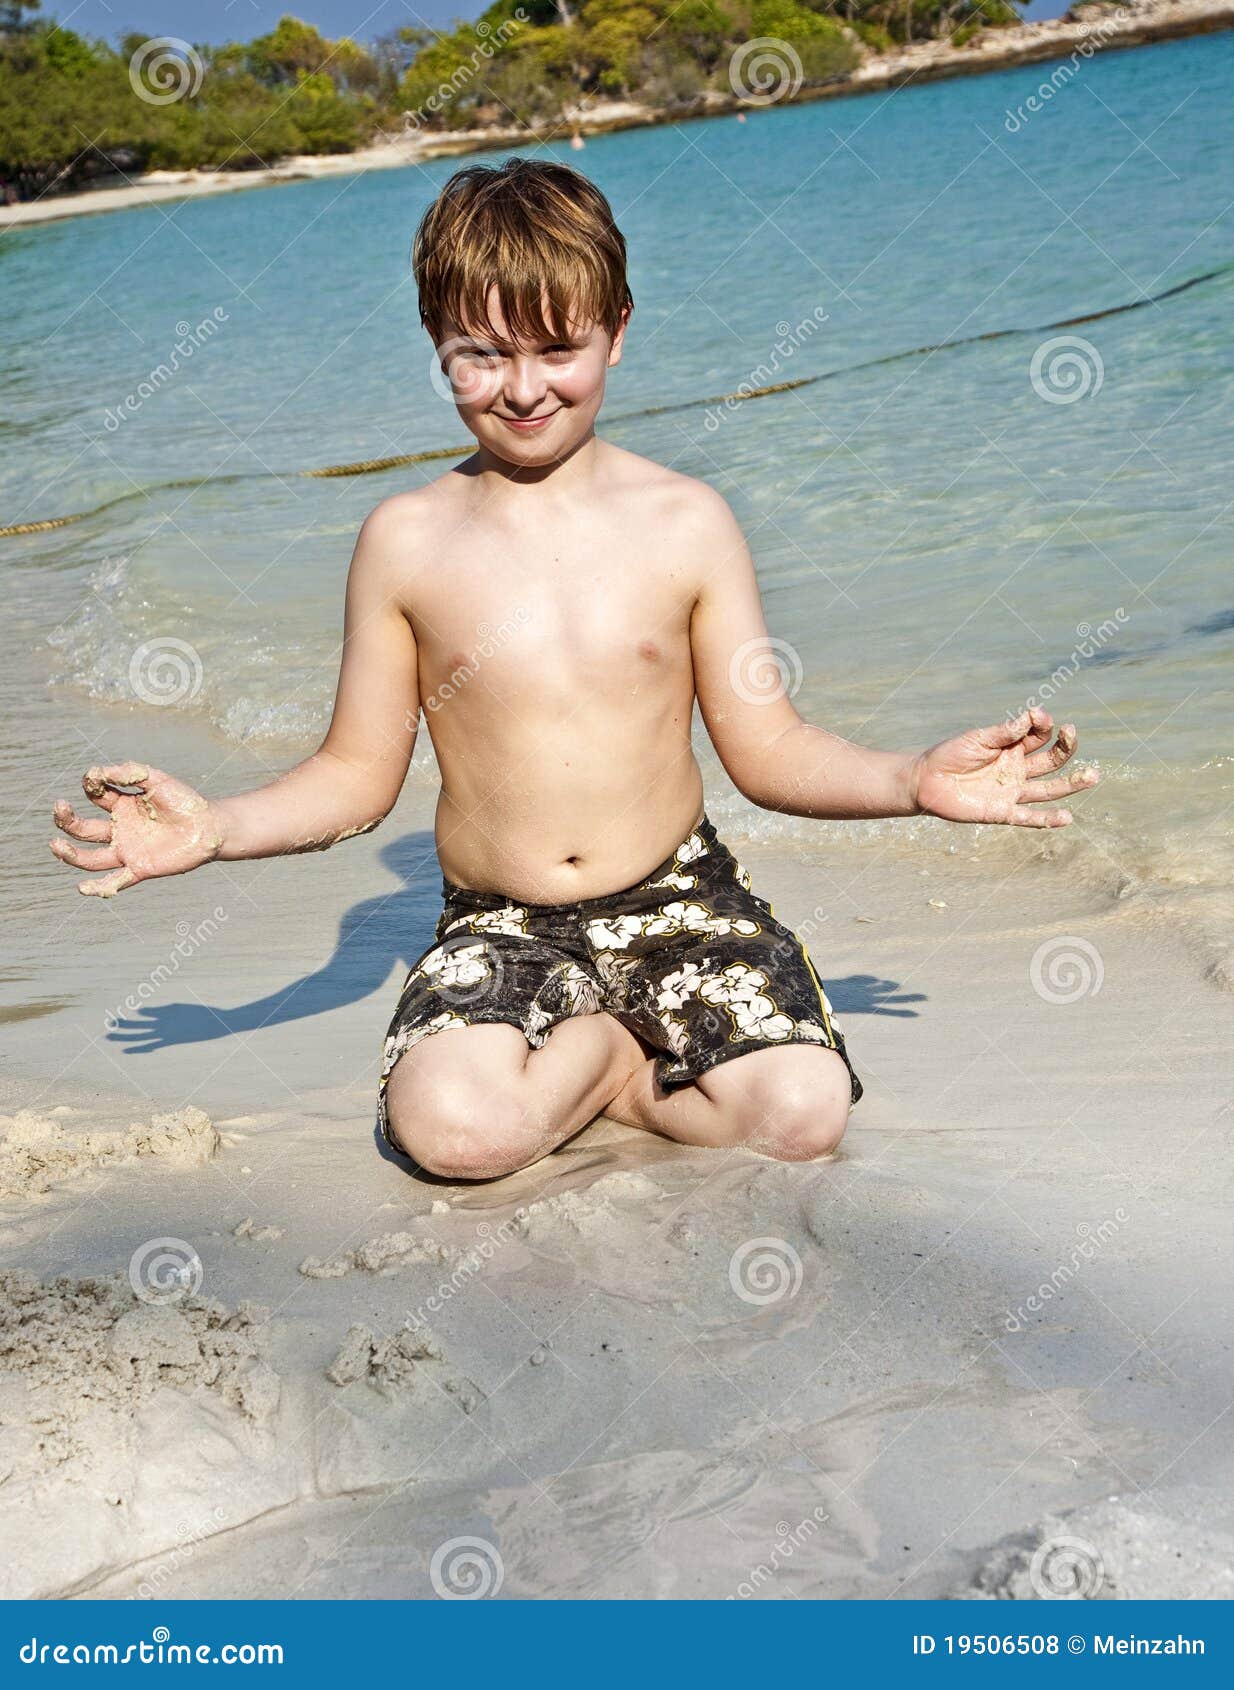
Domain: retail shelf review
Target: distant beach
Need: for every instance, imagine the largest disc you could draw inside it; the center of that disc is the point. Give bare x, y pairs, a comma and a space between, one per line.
1085, 30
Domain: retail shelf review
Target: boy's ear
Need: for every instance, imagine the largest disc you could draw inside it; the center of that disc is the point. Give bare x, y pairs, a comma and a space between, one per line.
614, 351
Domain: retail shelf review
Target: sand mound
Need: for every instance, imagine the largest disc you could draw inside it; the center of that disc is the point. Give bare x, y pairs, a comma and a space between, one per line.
37, 1152
249, 1229
584, 1212
404, 1361
384, 1254
1110, 1551
71, 1347
124, 1423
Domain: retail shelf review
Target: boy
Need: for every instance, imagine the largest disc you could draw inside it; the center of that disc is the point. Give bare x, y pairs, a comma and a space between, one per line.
599, 950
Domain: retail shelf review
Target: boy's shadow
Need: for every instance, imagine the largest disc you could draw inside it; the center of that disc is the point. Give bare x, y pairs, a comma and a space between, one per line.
373, 936
394, 927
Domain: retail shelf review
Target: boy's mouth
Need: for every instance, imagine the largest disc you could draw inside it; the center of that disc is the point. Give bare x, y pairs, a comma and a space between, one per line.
527, 425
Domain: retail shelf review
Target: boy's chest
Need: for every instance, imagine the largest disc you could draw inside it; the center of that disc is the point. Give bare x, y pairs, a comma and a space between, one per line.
549, 625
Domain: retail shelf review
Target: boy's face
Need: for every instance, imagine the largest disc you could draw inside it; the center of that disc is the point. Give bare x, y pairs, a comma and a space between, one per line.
529, 403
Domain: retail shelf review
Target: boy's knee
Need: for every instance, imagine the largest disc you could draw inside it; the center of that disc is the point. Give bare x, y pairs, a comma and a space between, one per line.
456, 1129
801, 1130
801, 1115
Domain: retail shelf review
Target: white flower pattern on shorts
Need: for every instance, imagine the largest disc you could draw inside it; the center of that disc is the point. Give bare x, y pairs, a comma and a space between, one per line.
699, 978
669, 919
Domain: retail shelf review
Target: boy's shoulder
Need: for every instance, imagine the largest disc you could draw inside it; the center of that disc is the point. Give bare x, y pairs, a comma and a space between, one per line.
691, 506
637, 492
413, 511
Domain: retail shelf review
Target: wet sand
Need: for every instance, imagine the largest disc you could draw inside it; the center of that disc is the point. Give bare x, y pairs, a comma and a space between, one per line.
996, 1322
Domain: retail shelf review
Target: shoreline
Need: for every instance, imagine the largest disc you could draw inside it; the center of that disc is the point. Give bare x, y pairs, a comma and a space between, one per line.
1130, 25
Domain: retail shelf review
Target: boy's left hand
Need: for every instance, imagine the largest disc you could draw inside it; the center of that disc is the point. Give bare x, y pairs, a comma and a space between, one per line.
985, 775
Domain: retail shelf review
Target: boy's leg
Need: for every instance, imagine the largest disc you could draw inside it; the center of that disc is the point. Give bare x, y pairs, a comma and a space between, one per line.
697, 964
477, 1102
792, 1103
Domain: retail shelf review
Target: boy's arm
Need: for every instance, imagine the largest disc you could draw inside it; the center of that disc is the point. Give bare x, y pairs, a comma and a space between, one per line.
781, 762
156, 825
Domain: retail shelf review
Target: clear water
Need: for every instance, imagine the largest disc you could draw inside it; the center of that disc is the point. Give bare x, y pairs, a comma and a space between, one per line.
934, 538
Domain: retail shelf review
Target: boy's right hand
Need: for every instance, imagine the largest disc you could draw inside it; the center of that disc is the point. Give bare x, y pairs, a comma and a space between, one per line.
160, 826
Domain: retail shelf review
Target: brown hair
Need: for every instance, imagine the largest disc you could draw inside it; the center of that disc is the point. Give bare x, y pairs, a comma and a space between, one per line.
539, 232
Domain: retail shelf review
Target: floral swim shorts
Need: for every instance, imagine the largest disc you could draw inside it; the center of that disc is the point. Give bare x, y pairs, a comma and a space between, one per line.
690, 959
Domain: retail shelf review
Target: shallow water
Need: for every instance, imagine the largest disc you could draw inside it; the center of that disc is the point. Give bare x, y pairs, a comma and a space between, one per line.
940, 538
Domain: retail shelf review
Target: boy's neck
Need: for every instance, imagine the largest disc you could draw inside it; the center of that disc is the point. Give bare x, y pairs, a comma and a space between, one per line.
563, 474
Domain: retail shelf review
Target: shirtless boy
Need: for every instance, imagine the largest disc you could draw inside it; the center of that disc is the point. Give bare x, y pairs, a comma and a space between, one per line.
599, 949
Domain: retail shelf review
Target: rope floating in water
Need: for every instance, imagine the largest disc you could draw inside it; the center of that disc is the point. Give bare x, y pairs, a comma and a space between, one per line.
372, 466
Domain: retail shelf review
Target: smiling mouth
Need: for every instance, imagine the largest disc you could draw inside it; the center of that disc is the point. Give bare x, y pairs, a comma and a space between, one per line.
527, 424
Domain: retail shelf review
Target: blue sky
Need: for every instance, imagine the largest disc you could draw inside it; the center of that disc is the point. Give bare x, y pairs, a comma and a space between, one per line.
239, 20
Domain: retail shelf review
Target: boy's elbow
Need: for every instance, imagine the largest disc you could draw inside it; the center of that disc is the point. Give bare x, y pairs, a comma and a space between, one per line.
751, 781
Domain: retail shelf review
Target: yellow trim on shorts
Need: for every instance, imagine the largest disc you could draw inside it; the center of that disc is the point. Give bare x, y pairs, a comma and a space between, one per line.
818, 984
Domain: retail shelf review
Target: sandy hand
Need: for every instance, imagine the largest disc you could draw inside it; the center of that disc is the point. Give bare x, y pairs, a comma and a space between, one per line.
985, 775
156, 825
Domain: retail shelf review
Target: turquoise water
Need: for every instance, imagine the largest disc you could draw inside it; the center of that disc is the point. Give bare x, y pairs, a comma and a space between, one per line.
937, 541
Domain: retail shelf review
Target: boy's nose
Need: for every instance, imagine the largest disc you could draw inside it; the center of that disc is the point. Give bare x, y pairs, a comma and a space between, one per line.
525, 383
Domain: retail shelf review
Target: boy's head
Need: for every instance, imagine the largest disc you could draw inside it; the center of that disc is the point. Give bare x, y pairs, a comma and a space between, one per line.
521, 272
